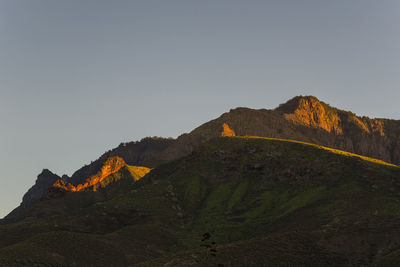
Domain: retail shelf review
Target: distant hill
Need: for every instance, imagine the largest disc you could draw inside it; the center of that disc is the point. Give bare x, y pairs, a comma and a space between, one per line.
232, 201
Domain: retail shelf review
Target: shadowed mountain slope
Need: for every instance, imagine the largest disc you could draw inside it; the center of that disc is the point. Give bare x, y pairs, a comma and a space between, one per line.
43, 182
252, 200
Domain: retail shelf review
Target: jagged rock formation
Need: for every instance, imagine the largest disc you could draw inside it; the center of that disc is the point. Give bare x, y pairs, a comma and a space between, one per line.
133, 153
44, 180
309, 111
302, 118
105, 176
109, 167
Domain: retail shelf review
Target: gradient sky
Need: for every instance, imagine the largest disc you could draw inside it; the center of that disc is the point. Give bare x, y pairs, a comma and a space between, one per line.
79, 77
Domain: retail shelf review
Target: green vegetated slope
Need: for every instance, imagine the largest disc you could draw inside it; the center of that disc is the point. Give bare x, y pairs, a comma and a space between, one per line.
232, 202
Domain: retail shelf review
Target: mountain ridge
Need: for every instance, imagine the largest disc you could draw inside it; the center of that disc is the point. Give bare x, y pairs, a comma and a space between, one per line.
308, 120
302, 118
110, 166
134, 153
44, 181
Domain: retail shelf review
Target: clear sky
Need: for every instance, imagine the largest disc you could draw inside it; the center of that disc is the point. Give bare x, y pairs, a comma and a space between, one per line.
79, 77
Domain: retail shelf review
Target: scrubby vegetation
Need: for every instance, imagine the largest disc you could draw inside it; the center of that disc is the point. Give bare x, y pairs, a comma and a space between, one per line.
263, 201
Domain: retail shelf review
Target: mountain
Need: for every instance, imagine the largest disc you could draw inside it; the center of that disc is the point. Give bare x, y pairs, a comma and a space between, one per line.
302, 118
277, 187
101, 179
110, 166
233, 201
133, 153
50, 186
43, 182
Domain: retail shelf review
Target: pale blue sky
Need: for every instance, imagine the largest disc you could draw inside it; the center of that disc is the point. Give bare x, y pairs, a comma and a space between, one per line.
79, 77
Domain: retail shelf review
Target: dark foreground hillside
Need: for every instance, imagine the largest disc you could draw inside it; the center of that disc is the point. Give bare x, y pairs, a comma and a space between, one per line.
231, 202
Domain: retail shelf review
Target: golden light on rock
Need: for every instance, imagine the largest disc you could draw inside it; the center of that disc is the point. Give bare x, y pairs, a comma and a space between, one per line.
312, 113
227, 131
110, 166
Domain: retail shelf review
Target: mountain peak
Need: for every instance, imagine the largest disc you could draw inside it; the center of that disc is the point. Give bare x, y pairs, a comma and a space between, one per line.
45, 172
298, 102
310, 111
44, 180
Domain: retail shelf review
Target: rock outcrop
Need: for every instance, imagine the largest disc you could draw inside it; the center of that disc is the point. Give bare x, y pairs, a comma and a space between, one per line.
111, 166
133, 153
227, 131
44, 180
309, 111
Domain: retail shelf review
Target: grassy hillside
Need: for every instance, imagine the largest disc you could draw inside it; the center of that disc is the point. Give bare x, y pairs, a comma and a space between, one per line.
233, 201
